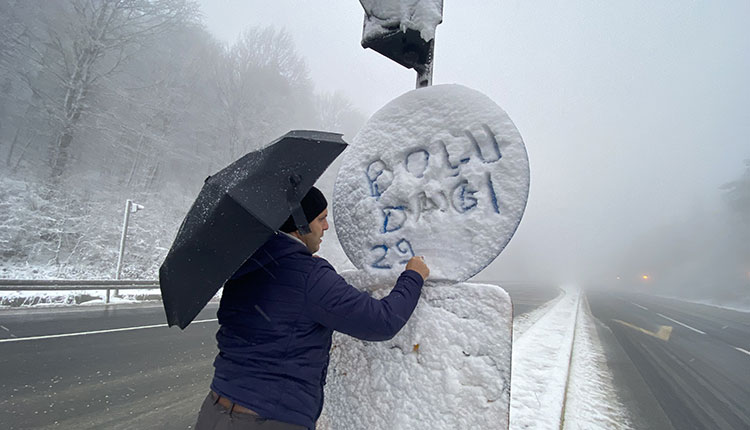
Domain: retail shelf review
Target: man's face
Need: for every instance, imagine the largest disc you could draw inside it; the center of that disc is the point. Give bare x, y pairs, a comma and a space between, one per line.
317, 227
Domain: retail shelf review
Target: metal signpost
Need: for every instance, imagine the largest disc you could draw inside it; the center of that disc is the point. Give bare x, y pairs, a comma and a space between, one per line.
467, 166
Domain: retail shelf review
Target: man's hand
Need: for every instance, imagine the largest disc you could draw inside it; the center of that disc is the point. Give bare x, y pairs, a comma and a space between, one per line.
418, 265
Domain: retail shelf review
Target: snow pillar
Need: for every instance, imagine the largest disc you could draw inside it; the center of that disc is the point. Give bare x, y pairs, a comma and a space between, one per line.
448, 368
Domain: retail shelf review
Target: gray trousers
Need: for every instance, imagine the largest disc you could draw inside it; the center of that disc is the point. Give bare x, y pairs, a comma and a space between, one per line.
213, 416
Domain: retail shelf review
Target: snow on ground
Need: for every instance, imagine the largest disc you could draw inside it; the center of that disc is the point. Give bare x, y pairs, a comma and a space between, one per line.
592, 402
38, 299
523, 322
559, 371
738, 306
541, 358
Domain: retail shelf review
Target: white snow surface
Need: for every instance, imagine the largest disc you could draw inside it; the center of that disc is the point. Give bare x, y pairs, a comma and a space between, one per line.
383, 15
448, 368
61, 298
440, 172
559, 373
592, 400
738, 305
541, 360
523, 322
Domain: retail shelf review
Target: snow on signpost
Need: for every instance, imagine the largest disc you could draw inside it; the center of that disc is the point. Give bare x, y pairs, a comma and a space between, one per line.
404, 31
440, 172
383, 16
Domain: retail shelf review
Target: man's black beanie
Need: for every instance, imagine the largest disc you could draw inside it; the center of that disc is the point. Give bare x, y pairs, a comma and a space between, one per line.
313, 204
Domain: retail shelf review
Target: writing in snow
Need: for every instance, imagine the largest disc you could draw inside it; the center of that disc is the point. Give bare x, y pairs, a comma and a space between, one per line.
453, 173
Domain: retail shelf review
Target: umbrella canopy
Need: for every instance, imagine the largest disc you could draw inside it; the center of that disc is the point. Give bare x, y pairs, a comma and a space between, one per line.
236, 211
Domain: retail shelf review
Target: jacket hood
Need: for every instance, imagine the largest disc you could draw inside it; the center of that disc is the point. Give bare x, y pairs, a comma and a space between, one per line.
276, 247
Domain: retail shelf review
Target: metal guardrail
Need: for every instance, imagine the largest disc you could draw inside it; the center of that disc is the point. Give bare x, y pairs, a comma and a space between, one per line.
73, 284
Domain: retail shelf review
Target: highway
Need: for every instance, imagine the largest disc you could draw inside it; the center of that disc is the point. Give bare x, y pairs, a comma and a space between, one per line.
679, 365
143, 377
115, 367
693, 359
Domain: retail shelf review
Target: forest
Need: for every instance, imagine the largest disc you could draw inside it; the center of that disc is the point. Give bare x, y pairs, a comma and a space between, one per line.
103, 101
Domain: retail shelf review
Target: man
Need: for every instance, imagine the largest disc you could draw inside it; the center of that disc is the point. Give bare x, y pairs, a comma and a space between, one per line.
277, 315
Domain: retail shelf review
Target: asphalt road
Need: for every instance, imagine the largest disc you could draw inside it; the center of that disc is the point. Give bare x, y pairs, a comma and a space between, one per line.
693, 359
120, 369
146, 378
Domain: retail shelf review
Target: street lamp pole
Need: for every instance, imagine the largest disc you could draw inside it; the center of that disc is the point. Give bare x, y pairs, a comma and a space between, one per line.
128, 204
130, 207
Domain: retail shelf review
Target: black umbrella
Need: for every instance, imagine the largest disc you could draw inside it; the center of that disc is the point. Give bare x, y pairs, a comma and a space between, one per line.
237, 210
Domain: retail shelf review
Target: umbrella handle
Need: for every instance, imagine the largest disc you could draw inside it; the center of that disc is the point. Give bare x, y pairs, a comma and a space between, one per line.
294, 200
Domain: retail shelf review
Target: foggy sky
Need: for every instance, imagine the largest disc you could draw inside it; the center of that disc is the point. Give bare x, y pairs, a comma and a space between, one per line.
633, 113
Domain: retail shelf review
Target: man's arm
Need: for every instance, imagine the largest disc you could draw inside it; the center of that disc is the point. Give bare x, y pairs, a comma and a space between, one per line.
334, 303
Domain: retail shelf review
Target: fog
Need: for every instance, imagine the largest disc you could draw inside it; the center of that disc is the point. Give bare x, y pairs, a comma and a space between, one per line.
635, 117
634, 114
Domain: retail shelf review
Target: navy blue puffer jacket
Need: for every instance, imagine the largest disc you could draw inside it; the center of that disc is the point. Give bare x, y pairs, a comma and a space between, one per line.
277, 315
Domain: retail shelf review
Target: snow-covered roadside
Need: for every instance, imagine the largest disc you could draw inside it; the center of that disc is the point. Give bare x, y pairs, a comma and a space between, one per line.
541, 358
523, 322
737, 307
58, 298
592, 402
560, 378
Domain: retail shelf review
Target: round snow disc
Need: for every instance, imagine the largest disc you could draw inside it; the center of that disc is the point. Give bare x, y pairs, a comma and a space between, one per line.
440, 172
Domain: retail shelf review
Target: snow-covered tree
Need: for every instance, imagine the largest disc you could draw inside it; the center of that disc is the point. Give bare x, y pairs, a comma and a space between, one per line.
336, 113
144, 110
263, 87
71, 46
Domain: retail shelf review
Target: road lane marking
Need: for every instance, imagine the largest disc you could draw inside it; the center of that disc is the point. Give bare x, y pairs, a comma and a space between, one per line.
84, 333
663, 333
642, 307
741, 350
8, 330
682, 324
